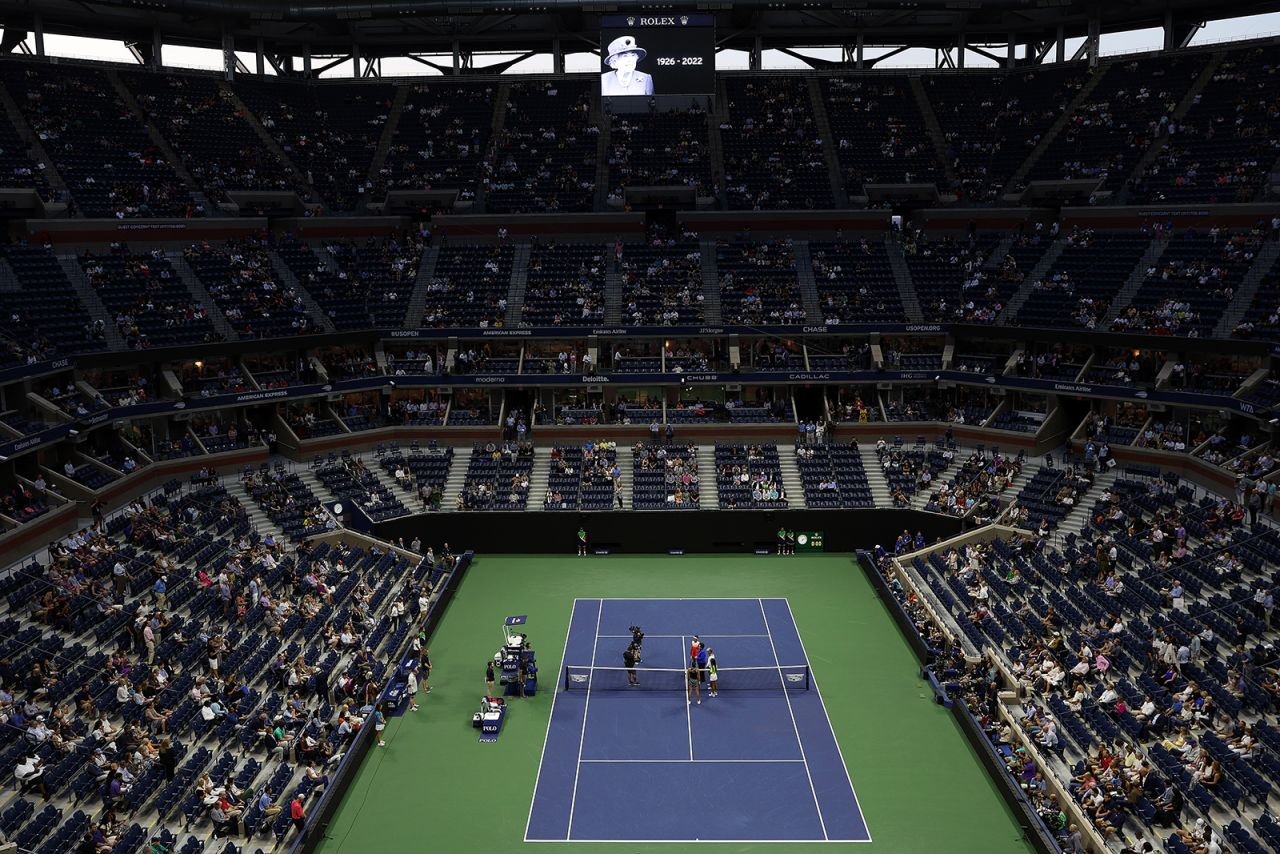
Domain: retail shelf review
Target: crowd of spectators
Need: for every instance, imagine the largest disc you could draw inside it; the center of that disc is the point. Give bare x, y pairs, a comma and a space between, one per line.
185, 671
441, 139
654, 149
949, 276
498, 476
879, 133
662, 281
1146, 650
1128, 111
1191, 286
212, 135
288, 502
241, 279
749, 477
584, 477
150, 304
1225, 146
329, 131
99, 147
992, 122
666, 476
855, 281
565, 285
350, 479
773, 155
974, 488
469, 287
544, 159
758, 283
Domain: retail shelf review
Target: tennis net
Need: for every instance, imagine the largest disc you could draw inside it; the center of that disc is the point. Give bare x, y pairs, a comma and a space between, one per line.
582, 678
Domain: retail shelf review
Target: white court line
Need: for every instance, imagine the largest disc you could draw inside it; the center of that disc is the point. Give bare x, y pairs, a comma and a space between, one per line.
839, 752
564, 653
709, 635
688, 761
787, 696
671, 599
586, 706
699, 841
688, 701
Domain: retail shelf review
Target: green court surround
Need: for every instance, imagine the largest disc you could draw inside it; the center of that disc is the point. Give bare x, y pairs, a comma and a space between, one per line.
435, 787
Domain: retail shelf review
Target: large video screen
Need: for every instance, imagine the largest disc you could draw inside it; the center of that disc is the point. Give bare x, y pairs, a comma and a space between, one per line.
657, 55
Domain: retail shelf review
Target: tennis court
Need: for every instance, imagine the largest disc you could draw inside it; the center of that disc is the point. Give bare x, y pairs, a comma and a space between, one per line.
625, 763
435, 787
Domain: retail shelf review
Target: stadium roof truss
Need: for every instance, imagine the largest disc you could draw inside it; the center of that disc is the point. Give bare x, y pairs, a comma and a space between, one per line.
305, 38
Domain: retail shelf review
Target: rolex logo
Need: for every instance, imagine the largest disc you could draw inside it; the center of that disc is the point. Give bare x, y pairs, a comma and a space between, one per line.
631, 22
684, 20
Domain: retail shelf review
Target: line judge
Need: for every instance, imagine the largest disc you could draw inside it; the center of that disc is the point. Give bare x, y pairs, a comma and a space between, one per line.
622, 56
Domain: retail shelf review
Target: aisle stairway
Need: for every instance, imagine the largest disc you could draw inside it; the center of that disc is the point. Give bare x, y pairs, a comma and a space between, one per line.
1264, 262
91, 301
286, 275
1028, 472
257, 516
407, 498
1037, 273
384, 145
708, 492
627, 474
805, 281
519, 281
1137, 278
791, 478
921, 498
1077, 520
880, 493
200, 294
417, 306
457, 477
906, 284
538, 478
318, 489
711, 308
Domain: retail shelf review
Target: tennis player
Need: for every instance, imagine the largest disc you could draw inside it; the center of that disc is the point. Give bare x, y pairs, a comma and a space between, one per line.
629, 662
694, 647
713, 674
694, 688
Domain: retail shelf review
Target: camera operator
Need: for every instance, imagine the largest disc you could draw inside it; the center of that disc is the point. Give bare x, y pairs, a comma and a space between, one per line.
637, 641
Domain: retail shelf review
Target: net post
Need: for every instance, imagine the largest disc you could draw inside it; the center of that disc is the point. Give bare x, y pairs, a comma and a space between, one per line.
806, 677
566, 677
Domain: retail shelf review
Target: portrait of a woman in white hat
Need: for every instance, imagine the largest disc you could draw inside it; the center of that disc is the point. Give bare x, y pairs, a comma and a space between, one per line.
622, 56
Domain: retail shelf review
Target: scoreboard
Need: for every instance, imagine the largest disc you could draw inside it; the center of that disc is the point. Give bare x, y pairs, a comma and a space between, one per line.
657, 54
808, 541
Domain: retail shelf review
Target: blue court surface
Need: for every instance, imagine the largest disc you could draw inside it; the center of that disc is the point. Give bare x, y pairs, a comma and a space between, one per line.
643, 765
